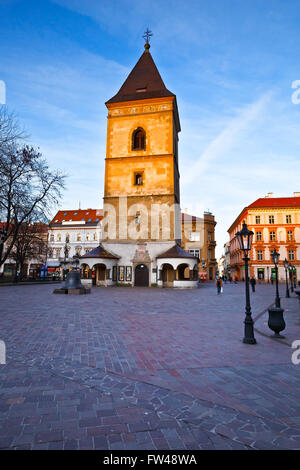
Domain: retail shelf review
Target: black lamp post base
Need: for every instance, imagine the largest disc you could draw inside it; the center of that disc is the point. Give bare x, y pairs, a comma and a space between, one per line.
249, 340
277, 336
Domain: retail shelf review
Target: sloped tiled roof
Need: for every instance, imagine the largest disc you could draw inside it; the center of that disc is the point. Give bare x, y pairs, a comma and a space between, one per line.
144, 76
88, 215
276, 202
176, 252
99, 252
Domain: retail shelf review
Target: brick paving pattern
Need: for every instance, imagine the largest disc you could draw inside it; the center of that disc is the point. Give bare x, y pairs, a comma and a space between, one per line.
135, 368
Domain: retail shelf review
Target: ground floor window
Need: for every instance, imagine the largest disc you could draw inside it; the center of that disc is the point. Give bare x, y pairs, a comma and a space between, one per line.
128, 273
261, 273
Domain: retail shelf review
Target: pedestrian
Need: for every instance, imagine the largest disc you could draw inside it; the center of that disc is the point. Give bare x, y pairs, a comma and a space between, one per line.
219, 285
235, 279
253, 282
272, 280
230, 279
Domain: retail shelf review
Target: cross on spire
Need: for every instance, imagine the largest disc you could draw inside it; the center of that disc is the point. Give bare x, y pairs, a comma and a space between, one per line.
147, 35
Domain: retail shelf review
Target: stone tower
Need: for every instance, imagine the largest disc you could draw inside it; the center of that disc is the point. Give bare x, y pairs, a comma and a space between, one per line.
141, 228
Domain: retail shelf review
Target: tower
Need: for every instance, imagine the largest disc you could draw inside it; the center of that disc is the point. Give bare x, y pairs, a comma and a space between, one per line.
142, 157
141, 227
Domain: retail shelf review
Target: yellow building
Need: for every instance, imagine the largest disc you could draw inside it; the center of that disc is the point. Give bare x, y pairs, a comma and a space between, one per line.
198, 238
141, 228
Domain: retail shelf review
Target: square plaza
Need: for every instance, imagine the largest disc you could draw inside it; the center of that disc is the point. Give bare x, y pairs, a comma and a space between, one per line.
139, 368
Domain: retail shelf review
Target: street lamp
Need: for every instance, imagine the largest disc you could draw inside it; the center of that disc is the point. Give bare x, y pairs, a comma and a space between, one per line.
245, 238
275, 258
291, 279
286, 265
294, 276
65, 260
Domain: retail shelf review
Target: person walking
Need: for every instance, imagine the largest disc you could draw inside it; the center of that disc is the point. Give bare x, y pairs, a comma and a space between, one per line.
219, 285
253, 283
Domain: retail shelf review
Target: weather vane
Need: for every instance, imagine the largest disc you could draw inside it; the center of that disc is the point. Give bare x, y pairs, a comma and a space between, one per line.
147, 35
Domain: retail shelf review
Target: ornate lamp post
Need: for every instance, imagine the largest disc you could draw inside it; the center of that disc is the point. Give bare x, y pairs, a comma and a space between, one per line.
286, 265
245, 238
276, 321
275, 258
291, 279
65, 261
294, 276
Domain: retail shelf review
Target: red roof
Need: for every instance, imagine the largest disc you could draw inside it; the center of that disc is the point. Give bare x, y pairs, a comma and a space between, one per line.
144, 81
90, 216
276, 202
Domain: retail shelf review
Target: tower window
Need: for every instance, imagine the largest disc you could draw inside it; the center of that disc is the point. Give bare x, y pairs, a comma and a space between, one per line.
139, 139
138, 179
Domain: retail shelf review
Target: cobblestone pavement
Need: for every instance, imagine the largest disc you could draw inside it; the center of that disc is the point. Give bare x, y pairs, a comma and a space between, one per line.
135, 368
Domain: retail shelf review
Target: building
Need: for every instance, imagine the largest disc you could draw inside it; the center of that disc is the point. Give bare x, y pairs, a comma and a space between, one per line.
275, 222
28, 254
226, 262
141, 228
72, 232
198, 238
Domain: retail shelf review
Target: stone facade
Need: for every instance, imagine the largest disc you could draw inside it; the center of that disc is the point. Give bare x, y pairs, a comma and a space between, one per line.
198, 238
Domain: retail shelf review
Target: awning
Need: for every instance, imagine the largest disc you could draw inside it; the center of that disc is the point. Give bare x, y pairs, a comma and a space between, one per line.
53, 264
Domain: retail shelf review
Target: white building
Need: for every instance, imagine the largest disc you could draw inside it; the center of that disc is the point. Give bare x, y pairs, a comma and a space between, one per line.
72, 232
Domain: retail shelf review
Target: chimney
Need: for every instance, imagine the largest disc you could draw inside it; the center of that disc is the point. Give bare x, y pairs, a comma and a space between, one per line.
296, 193
270, 195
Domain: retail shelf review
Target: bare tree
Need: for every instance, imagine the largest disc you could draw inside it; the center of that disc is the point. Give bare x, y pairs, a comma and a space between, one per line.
30, 244
29, 190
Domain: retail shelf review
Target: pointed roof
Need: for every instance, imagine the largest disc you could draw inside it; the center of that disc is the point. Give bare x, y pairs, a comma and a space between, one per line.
144, 81
99, 252
176, 252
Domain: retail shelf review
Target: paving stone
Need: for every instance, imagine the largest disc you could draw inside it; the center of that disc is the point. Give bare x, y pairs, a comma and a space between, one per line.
144, 373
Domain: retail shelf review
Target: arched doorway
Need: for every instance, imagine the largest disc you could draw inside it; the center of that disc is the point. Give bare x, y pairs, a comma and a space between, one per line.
168, 275
85, 271
141, 276
183, 272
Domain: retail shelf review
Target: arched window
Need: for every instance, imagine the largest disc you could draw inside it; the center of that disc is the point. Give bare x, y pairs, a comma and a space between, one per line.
139, 139
58, 238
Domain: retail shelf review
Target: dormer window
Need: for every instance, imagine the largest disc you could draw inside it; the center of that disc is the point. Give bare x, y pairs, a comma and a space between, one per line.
139, 139
141, 90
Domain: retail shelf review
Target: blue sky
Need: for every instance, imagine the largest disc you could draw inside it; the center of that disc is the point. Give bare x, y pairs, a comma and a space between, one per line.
231, 64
